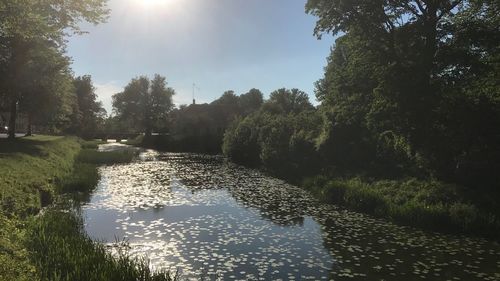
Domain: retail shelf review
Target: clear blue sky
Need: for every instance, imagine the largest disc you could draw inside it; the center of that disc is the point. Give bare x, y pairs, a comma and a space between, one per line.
218, 44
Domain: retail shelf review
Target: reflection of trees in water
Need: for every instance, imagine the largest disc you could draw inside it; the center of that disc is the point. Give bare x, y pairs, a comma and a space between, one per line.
248, 187
271, 208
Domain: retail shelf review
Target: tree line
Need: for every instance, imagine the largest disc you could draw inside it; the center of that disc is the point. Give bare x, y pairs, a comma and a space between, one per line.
35, 75
411, 88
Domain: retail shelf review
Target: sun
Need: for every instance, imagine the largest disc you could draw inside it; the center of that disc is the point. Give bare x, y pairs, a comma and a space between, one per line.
152, 3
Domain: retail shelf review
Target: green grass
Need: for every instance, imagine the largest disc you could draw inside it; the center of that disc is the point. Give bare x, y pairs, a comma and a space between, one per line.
61, 250
14, 257
29, 168
429, 204
84, 178
91, 144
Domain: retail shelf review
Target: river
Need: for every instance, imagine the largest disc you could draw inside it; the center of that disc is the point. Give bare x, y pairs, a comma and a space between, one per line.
206, 217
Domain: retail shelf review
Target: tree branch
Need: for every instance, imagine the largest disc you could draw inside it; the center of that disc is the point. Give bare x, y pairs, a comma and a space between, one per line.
452, 6
421, 7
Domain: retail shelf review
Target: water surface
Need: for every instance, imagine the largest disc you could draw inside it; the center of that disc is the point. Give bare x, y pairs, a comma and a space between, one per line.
207, 217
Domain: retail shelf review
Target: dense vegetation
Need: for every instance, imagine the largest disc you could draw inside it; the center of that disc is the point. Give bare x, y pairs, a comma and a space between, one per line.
201, 127
410, 108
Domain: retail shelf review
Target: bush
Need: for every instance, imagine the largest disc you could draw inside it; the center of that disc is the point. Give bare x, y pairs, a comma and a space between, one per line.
428, 204
463, 215
241, 142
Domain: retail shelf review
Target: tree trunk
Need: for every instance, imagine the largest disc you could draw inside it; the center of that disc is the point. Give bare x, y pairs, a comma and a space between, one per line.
29, 131
148, 132
12, 119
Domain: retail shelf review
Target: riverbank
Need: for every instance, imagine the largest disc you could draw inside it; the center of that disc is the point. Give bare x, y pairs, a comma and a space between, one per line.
34, 171
430, 205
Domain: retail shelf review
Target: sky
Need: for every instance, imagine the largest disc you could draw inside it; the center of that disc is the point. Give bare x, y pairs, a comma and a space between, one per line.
219, 45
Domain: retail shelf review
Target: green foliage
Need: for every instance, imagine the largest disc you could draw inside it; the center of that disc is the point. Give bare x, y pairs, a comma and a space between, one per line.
144, 104
427, 204
284, 101
34, 71
281, 136
201, 127
61, 250
241, 141
88, 114
411, 89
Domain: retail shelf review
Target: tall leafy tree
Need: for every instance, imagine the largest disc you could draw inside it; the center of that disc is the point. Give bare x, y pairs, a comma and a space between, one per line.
160, 104
401, 86
144, 104
24, 23
288, 101
88, 114
45, 93
250, 101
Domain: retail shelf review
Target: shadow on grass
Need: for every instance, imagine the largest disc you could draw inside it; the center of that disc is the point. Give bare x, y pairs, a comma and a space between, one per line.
20, 145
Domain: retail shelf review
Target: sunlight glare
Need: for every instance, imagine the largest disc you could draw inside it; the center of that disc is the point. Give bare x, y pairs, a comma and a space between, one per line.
154, 3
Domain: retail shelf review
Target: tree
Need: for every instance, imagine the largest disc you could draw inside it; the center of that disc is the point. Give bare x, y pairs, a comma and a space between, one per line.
288, 101
160, 103
45, 93
412, 86
144, 104
250, 102
89, 114
224, 110
26, 23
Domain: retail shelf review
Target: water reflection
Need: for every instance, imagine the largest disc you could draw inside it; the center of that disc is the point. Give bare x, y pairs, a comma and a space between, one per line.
207, 216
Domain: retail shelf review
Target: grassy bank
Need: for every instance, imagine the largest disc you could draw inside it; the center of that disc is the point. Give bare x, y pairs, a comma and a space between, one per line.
430, 205
53, 245
61, 250
30, 169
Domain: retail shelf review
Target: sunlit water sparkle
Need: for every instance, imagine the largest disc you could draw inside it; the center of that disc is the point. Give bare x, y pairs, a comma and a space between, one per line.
207, 217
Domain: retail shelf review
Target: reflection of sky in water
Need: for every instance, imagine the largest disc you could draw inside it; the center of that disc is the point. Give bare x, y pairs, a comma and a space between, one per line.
206, 216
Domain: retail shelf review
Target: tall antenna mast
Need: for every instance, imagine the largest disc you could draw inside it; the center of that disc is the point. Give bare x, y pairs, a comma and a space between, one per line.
194, 88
